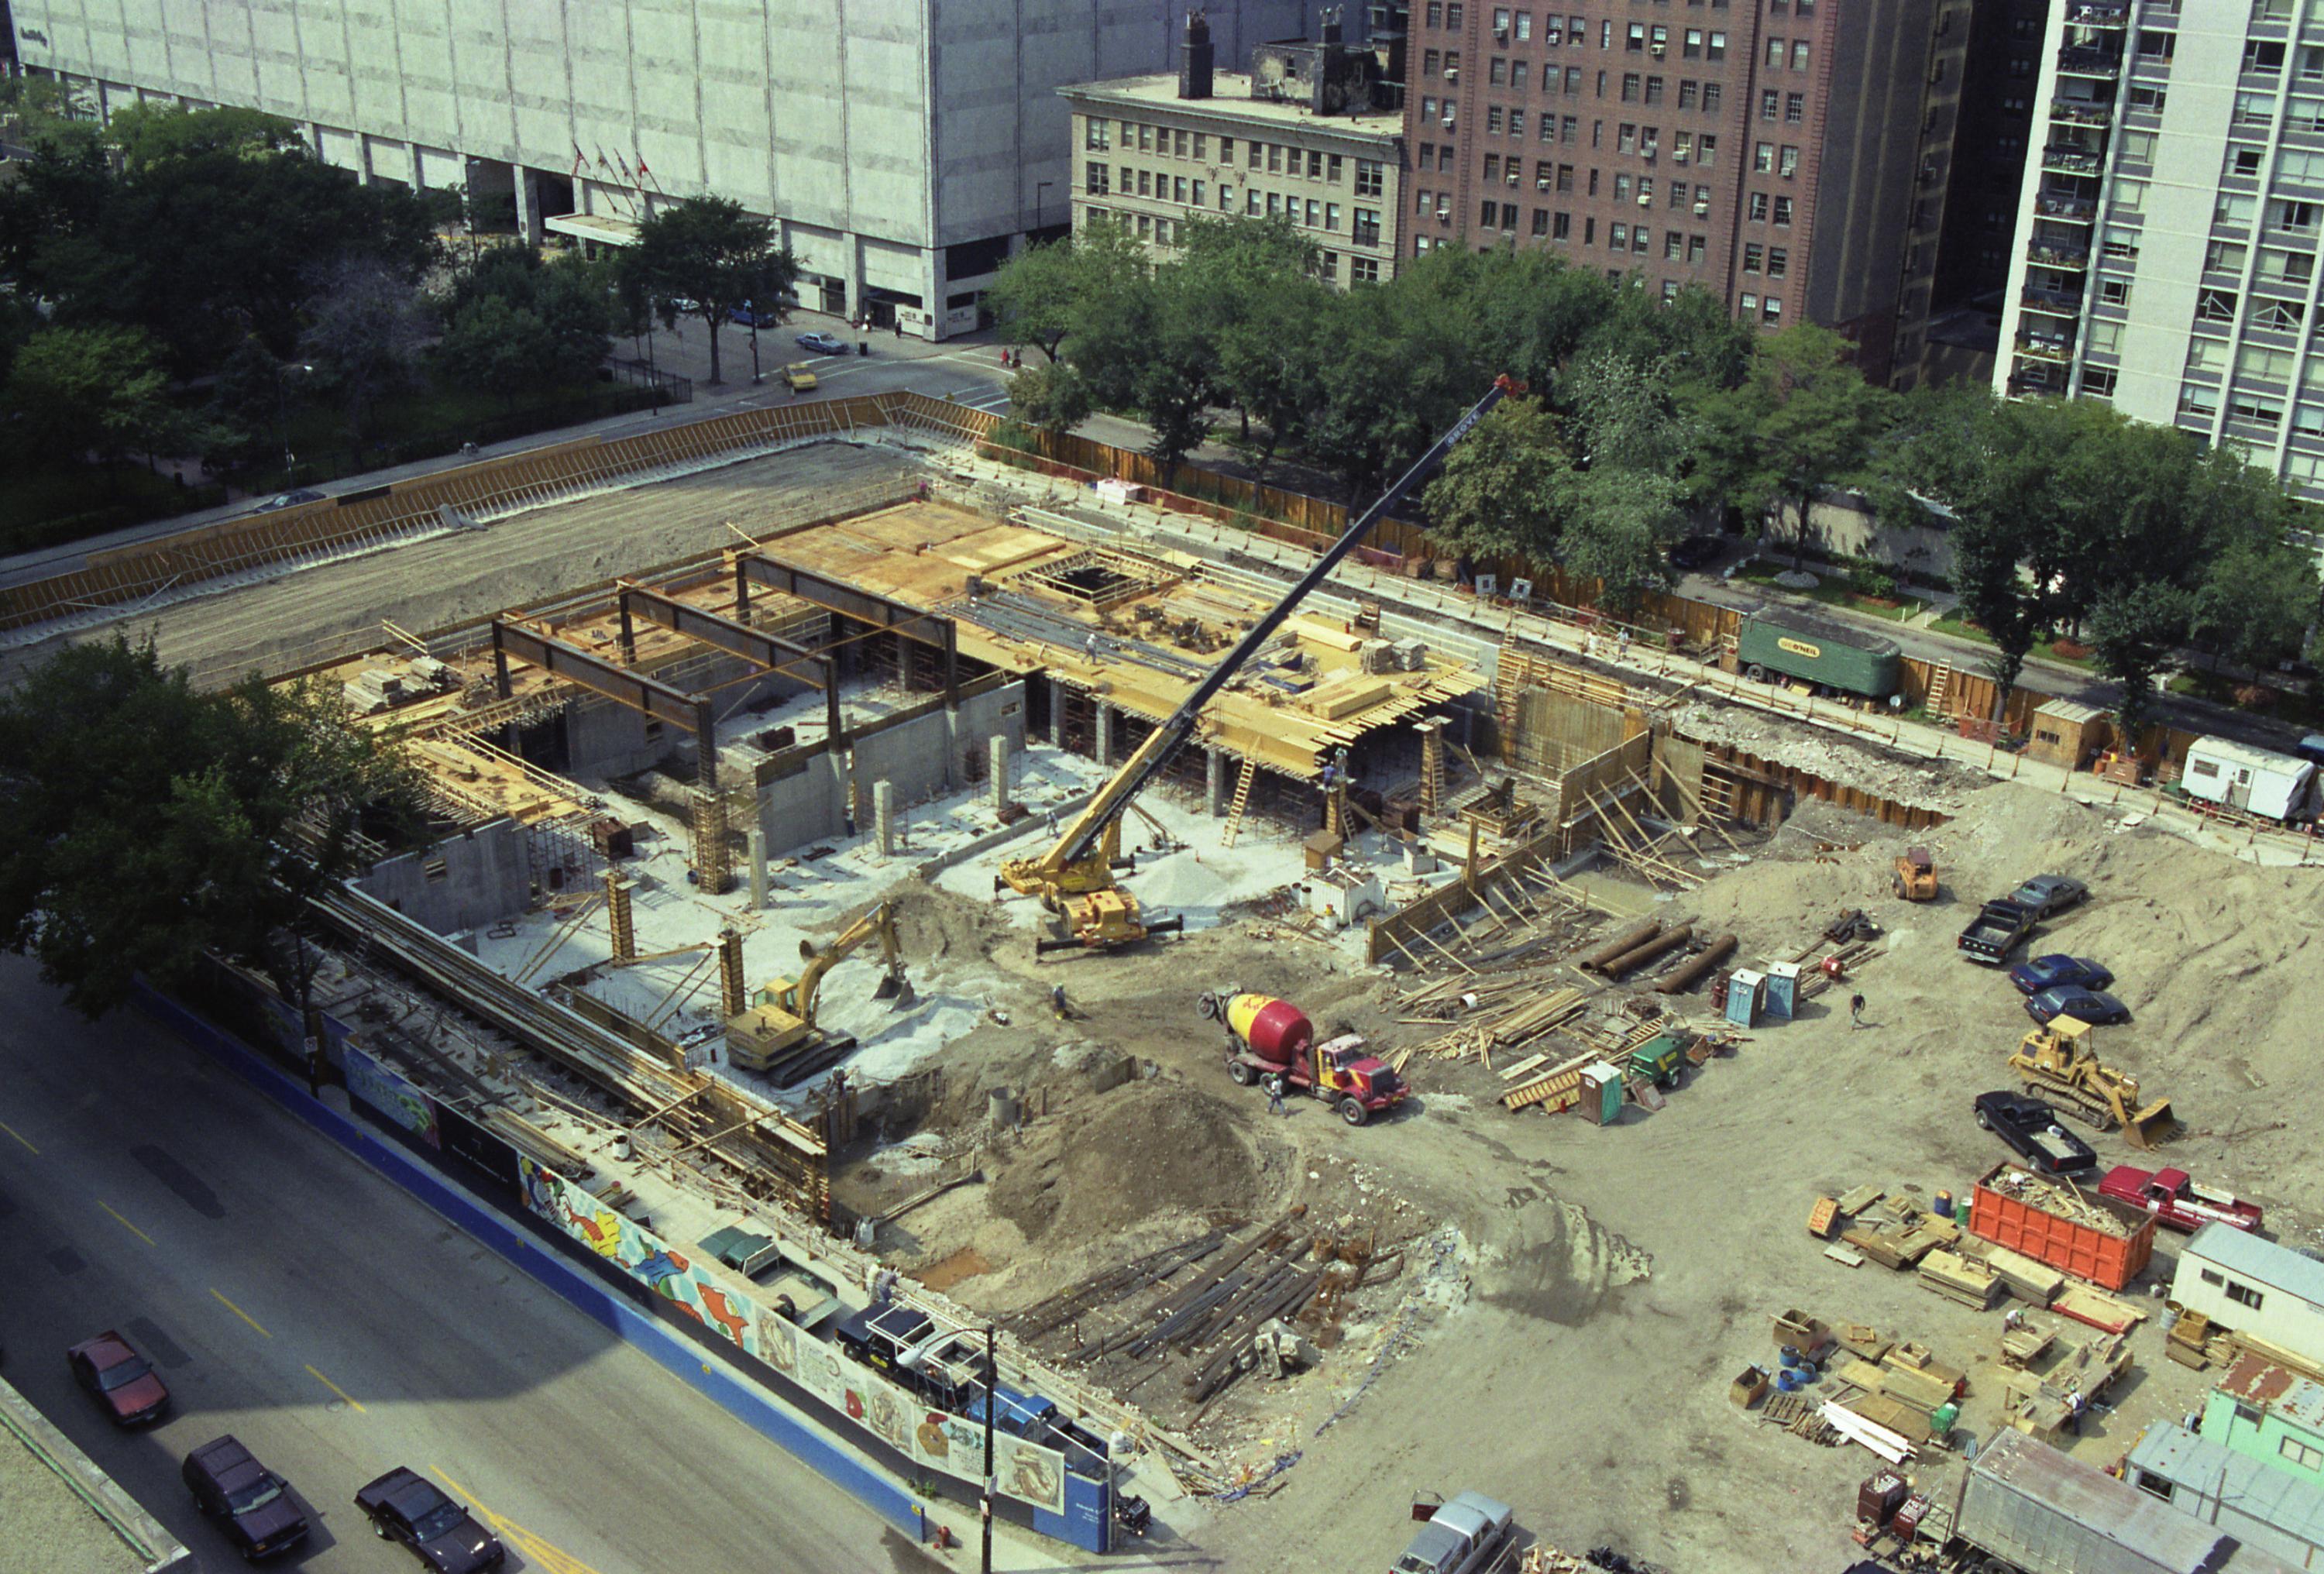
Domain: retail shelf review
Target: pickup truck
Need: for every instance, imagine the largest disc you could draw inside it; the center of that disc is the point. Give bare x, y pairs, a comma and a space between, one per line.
1468, 1535
2176, 1200
1996, 931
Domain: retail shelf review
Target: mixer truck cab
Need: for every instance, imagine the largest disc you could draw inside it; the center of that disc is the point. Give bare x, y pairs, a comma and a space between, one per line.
1271, 1044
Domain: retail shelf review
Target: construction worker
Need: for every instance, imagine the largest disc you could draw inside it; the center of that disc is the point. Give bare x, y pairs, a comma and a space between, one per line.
2075, 1405
1058, 1001
1856, 1011
1275, 1097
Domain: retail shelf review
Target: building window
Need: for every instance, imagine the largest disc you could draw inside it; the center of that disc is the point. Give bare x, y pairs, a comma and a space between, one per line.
1561, 227
1098, 184
2284, 316
2154, 1485
1757, 209
1226, 149
1714, 94
1799, 54
1753, 258
1783, 213
1690, 44
1771, 312
2301, 1454
1763, 157
1787, 163
2114, 291
1749, 303
2216, 306
1097, 135
1516, 123
1202, 148
1695, 245
1779, 261
1795, 108
2098, 381
1714, 48
1226, 199
1775, 54
2245, 1295
1367, 230
1145, 139
1197, 199
1619, 237
1145, 183
1770, 104
1369, 178
1363, 270
1673, 245
1540, 223
1332, 217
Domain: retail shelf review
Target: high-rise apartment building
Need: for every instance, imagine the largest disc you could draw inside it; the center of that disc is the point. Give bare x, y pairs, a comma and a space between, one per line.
1782, 153
2168, 238
904, 148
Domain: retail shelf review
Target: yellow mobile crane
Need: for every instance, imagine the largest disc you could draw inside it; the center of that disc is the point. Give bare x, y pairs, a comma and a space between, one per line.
781, 1026
1074, 879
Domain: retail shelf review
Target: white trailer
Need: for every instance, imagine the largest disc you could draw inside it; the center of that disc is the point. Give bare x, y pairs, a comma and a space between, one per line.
2236, 775
2265, 1292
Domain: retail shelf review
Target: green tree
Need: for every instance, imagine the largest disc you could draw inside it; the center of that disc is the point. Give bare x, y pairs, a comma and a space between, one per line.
1171, 390
45, 114
1507, 489
706, 251
2257, 601
151, 822
1051, 398
154, 134
1801, 422
366, 329
1047, 293
1621, 520
499, 347
1265, 317
91, 392
516, 325
2133, 629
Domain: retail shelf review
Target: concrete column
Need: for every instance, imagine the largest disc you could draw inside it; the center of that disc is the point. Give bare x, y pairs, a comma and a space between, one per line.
528, 206
1057, 715
883, 815
1104, 733
1214, 785
758, 869
1000, 753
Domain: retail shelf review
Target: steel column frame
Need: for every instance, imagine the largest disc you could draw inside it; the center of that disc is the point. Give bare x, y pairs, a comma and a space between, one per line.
691, 623
647, 695
908, 622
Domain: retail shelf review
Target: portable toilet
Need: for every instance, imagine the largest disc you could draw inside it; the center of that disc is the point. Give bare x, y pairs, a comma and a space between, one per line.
1783, 990
1746, 996
1601, 1094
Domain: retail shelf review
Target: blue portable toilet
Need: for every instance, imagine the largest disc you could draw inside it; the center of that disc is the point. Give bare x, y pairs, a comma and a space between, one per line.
1746, 996
1783, 990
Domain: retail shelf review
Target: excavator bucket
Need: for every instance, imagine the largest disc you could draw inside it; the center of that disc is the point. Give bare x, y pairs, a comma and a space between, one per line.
2151, 1127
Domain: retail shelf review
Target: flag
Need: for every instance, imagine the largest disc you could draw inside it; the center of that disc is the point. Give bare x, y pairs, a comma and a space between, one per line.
580, 159
643, 171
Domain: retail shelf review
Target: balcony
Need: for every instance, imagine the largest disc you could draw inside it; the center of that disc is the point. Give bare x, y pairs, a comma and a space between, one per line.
2103, 64
2071, 161
2081, 111
2069, 209
2032, 378
2098, 13
2051, 302
2057, 351
2048, 254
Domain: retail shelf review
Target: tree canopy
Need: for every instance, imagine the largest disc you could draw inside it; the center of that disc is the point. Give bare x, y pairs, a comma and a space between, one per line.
707, 254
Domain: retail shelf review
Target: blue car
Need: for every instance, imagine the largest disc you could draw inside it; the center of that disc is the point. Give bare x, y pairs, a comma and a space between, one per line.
2089, 1006
2059, 972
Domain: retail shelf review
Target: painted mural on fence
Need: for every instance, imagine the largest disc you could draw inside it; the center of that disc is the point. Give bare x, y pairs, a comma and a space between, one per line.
891, 1413
396, 1099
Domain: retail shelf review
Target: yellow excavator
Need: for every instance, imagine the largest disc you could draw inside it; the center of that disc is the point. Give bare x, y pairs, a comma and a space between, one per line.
1074, 879
2057, 1061
778, 1034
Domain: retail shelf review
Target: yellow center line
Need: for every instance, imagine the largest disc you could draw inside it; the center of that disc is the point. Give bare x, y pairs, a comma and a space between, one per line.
238, 1312
131, 1228
353, 1402
538, 1553
20, 1137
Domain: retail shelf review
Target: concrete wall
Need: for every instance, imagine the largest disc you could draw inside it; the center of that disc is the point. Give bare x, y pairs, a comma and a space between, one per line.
1841, 528
460, 883
922, 758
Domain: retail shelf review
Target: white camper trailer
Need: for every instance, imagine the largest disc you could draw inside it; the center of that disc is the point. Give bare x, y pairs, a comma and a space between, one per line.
2236, 775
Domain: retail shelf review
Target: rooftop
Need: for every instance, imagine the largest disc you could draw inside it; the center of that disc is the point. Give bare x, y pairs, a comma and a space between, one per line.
2277, 1266
2275, 1498
1230, 101
2280, 1389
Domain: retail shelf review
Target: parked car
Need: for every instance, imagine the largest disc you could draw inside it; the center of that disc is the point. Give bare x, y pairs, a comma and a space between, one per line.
1695, 551
289, 499
747, 316
2095, 1007
2178, 1199
823, 344
2059, 972
124, 1381
404, 1506
2033, 1131
252, 1504
2050, 894
800, 378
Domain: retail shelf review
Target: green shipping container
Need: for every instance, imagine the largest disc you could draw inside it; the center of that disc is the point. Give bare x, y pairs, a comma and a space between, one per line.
1815, 651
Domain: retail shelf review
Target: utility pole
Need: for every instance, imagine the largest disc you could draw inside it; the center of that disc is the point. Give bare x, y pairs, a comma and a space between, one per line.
992, 1404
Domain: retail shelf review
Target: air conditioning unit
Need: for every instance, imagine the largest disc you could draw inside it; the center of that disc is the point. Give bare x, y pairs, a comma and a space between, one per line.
1488, 586
1645, 200
1500, 35
1679, 156
1649, 153
1702, 205
1521, 592
1543, 182
1657, 50
1448, 122
1451, 73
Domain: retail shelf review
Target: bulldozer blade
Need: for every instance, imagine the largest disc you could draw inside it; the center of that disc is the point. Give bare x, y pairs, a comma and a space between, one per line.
2152, 1127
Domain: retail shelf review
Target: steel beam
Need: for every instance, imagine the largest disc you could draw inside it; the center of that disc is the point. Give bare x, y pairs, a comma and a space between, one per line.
648, 696
753, 645
909, 623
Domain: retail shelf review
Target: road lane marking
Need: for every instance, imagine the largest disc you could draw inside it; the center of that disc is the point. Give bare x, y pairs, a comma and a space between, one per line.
353, 1402
537, 1550
246, 1316
131, 1228
20, 1137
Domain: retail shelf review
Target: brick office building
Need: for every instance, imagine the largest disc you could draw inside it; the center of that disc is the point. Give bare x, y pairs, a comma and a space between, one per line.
1781, 154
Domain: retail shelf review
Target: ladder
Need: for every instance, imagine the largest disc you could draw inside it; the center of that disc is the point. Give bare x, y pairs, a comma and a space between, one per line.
1241, 802
1432, 764
1941, 687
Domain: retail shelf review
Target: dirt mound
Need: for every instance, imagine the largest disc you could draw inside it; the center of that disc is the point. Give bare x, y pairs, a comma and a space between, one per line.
1146, 1149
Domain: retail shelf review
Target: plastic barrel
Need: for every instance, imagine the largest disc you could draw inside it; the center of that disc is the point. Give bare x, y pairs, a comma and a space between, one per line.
1944, 1205
1787, 1356
1791, 1380
1961, 1213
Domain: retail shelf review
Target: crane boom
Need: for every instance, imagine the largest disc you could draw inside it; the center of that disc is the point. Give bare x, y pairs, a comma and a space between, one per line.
1081, 837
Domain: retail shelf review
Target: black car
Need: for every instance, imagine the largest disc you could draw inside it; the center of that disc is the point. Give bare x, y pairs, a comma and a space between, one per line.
1695, 551
2032, 1129
2095, 1007
253, 1506
404, 1506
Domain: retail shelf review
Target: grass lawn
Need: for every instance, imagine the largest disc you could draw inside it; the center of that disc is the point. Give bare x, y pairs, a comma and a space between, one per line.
2047, 649
1832, 594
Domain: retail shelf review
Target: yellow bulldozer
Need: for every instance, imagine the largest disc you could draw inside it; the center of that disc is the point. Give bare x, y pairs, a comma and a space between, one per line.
779, 1035
2058, 1063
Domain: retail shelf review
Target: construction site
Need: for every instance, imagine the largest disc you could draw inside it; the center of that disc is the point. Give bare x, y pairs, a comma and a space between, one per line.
1323, 1015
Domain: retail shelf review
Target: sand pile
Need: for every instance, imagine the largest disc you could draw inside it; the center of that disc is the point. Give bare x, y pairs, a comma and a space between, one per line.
1143, 1151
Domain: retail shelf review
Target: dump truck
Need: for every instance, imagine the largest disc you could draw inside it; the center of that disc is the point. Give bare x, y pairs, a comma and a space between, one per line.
1995, 932
2058, 1061
1271, 1042
1470, 1535
2035, 1508
1792, 644
1915, 876
2088, 1237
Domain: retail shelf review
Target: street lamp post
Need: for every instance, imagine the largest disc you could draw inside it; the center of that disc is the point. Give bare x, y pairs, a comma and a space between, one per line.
1041, 203
755, 378
282, 371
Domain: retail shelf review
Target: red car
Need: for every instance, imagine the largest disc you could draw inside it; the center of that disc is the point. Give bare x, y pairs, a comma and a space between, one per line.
2175, 1199
125, 1380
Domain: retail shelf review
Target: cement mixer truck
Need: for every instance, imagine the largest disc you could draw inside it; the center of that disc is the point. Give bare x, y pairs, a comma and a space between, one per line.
1271, 1042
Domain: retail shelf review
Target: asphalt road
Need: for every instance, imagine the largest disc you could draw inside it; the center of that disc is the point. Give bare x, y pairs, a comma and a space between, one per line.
292, 1297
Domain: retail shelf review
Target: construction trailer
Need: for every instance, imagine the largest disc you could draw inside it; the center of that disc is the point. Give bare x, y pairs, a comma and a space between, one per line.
1792, 644
2271, 1297
2236, 776
2267, 1509
2047, 1513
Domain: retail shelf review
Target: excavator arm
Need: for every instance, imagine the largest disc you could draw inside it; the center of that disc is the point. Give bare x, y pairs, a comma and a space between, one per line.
1083, 850
798, 999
